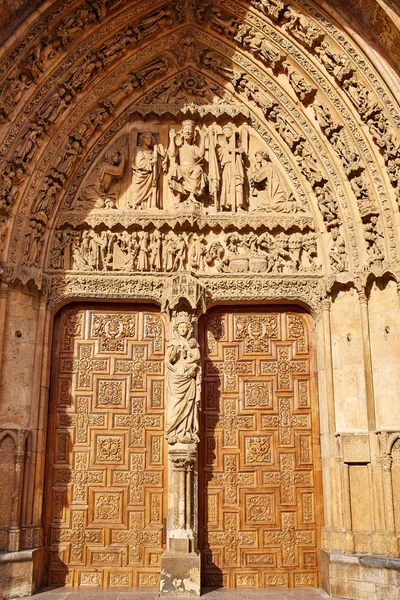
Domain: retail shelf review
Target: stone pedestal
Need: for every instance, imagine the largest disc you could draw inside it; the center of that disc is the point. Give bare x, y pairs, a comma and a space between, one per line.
360, 577
180, 563
21, 572
180, 574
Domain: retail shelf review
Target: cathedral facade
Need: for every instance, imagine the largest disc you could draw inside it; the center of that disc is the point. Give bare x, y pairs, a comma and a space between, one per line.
199, 290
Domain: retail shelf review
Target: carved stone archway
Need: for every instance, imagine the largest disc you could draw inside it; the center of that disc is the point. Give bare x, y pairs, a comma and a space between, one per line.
201, 153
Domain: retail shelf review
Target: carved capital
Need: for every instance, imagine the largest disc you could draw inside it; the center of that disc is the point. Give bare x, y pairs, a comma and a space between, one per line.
182, 462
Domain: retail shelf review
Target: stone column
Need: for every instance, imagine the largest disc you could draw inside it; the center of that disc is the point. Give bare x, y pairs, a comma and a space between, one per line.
14, 533
180, 563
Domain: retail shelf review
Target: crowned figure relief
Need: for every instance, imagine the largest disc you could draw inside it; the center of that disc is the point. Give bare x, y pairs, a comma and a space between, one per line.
187, 178
183, 383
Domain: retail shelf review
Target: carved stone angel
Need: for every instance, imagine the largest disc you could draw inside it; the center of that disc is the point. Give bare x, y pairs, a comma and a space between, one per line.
183, 383
110, 173
269, 190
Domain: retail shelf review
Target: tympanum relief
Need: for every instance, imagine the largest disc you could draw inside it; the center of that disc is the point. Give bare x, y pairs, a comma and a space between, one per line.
213, 167
190, 195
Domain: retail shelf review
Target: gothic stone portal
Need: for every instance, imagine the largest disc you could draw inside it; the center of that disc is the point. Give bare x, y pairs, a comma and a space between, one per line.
106, 476
260, 516
107, 482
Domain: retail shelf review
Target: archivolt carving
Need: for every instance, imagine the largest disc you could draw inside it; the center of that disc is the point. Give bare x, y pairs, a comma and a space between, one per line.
69, 117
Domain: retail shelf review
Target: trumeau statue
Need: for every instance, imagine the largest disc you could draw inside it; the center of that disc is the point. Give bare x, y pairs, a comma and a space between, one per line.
183, 383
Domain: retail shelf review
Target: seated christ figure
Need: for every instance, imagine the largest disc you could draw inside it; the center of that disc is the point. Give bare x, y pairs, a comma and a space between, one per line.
187, 178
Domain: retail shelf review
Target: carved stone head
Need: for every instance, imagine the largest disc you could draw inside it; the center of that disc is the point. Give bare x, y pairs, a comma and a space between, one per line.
145, 140
188, 130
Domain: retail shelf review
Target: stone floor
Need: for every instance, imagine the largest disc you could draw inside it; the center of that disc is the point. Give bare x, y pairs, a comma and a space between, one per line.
152, 594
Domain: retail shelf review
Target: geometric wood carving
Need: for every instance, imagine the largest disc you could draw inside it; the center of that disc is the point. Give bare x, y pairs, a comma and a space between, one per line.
106, 475
259, 517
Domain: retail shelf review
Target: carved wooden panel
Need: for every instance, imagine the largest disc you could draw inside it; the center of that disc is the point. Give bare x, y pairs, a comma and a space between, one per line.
260, 512
106, 449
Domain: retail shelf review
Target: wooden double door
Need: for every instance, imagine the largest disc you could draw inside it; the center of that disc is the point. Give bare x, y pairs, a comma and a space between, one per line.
106, 459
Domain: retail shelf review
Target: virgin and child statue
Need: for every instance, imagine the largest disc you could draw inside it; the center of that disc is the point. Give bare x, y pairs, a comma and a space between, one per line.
183, 383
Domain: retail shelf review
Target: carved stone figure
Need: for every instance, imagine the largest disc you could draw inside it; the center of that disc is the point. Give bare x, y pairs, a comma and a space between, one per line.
347, 154
303, 89
155, 258
197, 252
309, 254
285, 128
223, 23
180, 252
142, 260
302, 28
186, 175
33, 244
269, 191
118, 44
67, 160
154, 22
111, 171
75, 22
361, 97
338, 255
149, 162
169, 248
339, 66
187, 51
82, 75
231, 170
88, 126
373, 238
271, 8
182, 361
28, 145
152, 69
57, 260
308, 163
256, 42
41, 56
47, 195
327, 205
51, 109
12, 91
11, 179
325, 120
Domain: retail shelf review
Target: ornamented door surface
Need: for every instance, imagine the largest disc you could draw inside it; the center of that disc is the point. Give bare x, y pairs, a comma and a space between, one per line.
106, 451
261, 478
